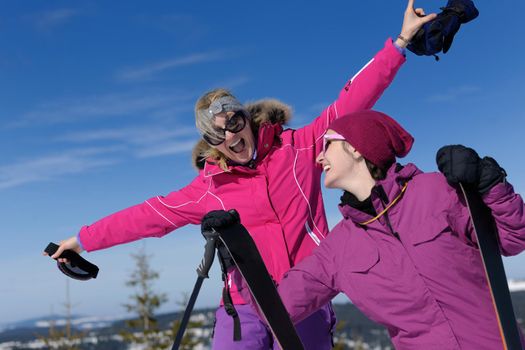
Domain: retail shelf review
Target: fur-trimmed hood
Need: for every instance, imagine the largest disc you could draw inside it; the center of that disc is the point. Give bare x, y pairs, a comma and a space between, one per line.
262, 111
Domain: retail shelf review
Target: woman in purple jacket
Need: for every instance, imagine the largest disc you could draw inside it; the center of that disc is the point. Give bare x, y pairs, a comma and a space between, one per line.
405, 252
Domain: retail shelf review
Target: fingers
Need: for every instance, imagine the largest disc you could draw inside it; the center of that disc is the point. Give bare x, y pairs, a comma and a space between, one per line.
410, 5
60, 250
420, 12
428, 18
70, 243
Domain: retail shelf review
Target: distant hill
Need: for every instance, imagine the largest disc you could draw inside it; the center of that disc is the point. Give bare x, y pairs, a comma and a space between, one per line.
352, 325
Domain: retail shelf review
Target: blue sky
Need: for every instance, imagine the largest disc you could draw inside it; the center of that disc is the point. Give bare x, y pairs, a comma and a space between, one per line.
96, 115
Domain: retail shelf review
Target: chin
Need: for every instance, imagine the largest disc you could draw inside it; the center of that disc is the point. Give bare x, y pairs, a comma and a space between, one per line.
328, 184
242, 158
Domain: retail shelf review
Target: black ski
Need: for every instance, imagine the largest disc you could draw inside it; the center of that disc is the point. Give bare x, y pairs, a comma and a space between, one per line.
487, 237
244, 253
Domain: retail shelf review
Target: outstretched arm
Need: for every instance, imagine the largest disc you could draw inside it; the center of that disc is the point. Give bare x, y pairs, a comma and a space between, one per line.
154, 218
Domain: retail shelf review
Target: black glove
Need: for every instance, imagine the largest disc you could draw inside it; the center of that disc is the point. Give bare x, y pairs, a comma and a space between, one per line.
438, 34
490, 174
219, 218
462, 164
459, 164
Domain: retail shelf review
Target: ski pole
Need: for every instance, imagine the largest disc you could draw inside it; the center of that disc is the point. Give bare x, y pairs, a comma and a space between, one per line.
487, 237
202, 272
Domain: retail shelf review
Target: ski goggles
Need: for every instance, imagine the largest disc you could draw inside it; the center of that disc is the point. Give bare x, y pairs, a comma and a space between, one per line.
77, 268
234, 124
327, 138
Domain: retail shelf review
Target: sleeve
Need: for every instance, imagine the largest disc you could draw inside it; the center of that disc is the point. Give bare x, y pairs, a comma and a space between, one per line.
508, 211
155, 217
310, 284
360, 92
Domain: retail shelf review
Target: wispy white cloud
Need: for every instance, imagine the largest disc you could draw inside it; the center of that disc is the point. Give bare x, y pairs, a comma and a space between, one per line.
454, 93
166, 148
144, 142
51, 19
133, 135
136, 142
150, 70
50, 167
103, 106
231, 83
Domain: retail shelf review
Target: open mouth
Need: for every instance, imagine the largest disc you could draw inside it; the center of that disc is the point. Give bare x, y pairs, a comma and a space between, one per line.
238, 146
326, 168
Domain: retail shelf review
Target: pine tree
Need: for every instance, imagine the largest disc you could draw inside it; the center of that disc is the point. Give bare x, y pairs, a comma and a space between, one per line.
145, 329
66, 338
144, 302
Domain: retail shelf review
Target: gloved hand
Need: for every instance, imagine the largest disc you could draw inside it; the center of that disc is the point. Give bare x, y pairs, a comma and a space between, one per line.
219, 218
462, 164
438, 34
490, 174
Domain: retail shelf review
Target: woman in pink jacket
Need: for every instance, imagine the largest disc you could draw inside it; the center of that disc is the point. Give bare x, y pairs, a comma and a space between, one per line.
248, 162
405, 252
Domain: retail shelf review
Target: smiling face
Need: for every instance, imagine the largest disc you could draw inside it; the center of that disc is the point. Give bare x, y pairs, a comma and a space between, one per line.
344, 167
238, 147
337, 162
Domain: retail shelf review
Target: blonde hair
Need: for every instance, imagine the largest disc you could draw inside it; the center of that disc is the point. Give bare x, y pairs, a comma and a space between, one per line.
205, 124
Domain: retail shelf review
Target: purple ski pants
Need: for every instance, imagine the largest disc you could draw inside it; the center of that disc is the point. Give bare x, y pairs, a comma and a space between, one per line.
315, 331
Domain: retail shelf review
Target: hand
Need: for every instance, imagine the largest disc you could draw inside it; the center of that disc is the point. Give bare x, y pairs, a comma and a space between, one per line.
439, 33
459, 164
413, 20
490, 174
70, 243
462, 164
219, 218
216, 219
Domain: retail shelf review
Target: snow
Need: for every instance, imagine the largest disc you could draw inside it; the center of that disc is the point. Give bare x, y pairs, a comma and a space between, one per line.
516, 285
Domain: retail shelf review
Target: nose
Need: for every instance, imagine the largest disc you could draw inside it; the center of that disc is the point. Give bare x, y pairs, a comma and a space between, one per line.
319, 159
228, 135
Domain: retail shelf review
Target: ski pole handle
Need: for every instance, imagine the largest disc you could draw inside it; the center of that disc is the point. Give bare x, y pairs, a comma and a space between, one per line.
209, 252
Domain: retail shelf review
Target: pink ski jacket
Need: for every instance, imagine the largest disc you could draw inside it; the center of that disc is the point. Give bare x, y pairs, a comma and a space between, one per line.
278, 197
422, 277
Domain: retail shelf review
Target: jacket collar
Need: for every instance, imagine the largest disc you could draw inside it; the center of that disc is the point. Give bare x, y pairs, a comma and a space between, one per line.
383, 192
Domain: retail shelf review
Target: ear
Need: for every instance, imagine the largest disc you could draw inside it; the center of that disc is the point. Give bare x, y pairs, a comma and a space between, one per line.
353, 152
357, 155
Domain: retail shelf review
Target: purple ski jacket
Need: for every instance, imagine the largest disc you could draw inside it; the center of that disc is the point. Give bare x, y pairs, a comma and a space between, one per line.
278, 198
423, 278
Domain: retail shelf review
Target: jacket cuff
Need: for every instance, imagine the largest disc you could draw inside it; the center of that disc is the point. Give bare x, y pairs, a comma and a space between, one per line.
498, 192
83, 240
401, 50
392, 53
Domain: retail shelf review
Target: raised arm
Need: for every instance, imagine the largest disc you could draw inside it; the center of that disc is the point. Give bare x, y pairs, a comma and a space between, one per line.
368, 84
